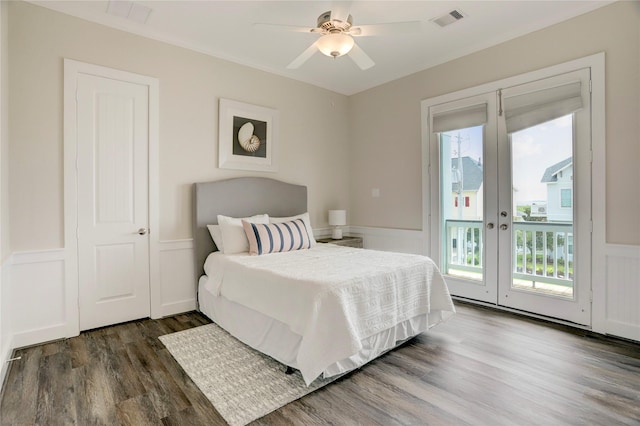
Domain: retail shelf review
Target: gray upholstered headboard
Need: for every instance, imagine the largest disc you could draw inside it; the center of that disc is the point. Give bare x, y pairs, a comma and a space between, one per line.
240, 197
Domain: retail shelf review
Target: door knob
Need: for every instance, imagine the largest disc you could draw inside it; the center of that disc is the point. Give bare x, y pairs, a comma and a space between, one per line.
490, 225
503, 213
504, 226
143, 231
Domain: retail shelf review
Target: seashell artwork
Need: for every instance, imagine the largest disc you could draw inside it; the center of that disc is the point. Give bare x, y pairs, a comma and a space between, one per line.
248, 141
252, 144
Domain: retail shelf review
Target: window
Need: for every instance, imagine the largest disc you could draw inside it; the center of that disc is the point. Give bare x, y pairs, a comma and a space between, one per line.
466, 201
565, 198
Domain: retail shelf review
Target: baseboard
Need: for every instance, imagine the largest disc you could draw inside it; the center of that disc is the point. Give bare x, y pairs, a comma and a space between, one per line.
176, 308
39, 335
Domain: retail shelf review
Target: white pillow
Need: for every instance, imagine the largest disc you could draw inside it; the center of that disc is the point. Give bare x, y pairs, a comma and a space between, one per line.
216, 235
305, 219
234, 240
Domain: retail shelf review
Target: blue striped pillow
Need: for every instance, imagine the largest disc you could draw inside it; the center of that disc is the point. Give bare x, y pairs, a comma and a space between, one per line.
276, 237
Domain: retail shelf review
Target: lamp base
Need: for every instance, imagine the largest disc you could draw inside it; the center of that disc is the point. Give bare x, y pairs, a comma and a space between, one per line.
337, 234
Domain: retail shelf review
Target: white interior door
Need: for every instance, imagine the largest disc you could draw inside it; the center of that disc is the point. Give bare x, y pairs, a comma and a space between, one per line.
113, 211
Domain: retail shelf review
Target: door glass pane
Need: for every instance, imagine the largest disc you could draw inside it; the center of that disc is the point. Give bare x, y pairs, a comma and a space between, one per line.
462, 202
542, 193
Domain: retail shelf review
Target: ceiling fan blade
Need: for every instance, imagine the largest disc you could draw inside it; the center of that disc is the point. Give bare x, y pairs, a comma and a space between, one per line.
288, 28
304, 57
360, 58
391, 28
340, 10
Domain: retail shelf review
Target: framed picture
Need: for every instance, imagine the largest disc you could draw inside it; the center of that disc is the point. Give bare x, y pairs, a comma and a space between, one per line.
247, 137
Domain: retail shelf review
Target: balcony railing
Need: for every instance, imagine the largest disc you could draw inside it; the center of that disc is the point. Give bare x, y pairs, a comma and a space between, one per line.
542, 251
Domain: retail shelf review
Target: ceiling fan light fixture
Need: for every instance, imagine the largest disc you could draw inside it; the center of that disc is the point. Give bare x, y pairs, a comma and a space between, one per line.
335, 44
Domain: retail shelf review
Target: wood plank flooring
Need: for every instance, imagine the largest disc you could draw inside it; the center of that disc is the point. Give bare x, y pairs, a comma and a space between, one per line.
482, 367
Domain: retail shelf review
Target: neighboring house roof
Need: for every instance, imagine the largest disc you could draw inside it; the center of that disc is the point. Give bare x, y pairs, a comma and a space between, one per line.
551, 174
471, 174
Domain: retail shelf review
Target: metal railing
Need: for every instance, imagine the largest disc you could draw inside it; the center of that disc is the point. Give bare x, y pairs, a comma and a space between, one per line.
542, 251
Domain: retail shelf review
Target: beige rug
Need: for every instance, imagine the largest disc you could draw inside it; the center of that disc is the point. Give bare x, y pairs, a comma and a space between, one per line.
241, 383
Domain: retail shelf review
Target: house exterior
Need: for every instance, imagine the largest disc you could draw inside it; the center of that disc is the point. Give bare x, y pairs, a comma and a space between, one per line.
559, 180
467, 198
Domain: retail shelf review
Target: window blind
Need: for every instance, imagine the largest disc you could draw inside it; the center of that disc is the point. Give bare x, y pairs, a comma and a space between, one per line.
530, 109
461, 118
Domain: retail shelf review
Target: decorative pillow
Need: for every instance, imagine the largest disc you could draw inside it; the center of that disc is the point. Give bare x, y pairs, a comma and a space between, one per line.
276, 237
234, 239
216, 236
305, 219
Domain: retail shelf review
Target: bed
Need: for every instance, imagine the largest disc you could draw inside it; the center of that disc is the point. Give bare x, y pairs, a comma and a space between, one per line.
324, 310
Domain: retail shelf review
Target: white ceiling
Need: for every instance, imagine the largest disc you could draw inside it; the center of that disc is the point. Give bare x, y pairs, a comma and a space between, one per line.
224, 29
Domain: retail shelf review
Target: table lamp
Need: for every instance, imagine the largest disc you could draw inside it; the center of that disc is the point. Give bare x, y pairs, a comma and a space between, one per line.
337, 218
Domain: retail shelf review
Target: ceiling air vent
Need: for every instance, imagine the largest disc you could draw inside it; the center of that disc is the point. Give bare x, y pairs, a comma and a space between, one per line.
136, 12
449, 18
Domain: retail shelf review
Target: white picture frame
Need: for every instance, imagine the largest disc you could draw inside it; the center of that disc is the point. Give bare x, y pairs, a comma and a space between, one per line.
253, 154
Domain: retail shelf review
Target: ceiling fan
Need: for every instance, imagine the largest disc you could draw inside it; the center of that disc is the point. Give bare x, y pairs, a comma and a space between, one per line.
336, 31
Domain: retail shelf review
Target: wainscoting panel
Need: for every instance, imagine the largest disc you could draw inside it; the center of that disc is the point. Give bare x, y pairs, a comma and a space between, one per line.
398, 240
623, 291
6, 335
178, 281
37, 291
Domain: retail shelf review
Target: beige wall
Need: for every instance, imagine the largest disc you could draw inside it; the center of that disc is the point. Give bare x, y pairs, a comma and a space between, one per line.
375, 137
386, 123
190, 87
4, 135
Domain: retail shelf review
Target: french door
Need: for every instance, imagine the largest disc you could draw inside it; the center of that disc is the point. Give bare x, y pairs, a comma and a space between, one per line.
511, 173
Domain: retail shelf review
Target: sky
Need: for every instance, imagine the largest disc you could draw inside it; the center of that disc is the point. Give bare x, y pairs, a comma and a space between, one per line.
533, 150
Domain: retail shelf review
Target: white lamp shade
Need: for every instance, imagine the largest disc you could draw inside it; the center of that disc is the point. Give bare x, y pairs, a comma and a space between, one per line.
335, 45
337, 217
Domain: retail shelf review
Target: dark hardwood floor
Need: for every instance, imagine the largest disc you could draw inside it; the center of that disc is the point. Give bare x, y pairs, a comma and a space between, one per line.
482, 367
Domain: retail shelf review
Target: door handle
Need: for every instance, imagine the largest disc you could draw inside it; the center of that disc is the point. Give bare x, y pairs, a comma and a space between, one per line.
490, 225
504, 226
143, 231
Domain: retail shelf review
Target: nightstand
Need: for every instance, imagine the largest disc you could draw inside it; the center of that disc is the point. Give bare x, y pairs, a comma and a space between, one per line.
345, 241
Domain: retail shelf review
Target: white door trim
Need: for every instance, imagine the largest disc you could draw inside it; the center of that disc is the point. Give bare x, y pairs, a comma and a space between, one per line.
71, 71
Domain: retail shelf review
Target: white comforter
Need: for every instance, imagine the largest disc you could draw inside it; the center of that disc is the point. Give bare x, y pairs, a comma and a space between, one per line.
332, 296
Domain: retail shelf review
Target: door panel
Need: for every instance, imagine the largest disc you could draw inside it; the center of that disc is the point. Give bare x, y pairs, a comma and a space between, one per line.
546, 168
113, 257
466, 145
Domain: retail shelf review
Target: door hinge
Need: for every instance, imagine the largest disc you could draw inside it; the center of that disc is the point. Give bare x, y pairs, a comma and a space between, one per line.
590, 86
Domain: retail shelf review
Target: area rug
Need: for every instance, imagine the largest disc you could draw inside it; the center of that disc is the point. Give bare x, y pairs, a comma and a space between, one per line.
241, 383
